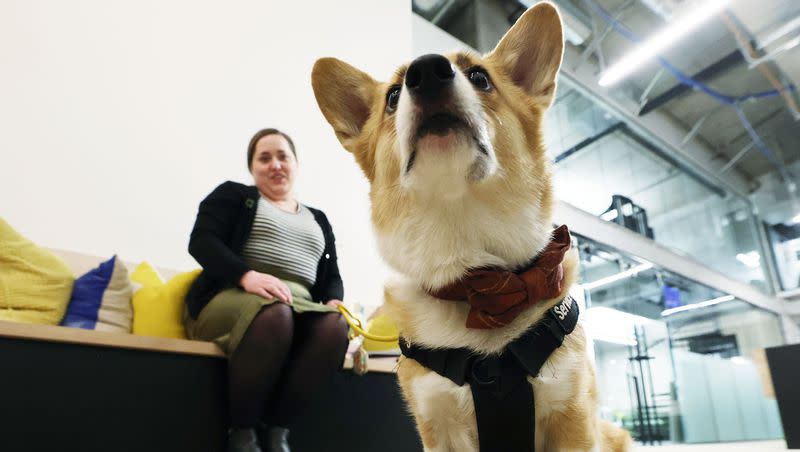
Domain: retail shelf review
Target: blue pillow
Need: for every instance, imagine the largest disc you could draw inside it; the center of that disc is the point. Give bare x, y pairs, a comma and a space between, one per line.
101, 299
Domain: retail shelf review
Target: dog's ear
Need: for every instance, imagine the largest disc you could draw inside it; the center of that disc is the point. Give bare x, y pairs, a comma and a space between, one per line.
344, 95
531, 51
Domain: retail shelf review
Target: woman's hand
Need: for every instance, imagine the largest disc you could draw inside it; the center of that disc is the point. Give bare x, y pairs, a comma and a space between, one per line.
266, 286
333, 303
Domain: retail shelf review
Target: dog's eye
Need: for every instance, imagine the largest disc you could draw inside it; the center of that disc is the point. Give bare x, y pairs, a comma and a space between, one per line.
392, 97
478, 77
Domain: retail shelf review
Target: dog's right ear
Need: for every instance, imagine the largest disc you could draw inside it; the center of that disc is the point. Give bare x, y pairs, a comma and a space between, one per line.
344, 95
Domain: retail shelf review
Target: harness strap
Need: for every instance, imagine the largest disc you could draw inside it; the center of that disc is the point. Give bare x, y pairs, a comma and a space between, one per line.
504, 403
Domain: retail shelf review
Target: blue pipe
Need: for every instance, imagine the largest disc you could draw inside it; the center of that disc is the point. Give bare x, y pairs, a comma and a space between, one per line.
733, 101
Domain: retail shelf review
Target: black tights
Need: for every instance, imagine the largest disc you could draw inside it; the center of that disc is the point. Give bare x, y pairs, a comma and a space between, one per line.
281, 363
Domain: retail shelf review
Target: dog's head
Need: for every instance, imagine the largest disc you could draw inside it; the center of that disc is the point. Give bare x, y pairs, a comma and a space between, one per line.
453, 150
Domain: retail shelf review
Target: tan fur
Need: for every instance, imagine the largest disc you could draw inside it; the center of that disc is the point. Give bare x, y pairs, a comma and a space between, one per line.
431, 232
407, 371
614, 438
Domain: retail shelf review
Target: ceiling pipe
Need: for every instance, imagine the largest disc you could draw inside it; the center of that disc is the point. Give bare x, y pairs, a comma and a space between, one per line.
784, 30
732, 101
752, 57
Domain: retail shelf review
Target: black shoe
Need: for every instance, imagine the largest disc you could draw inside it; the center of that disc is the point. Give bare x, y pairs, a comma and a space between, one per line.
242, 440
274, 439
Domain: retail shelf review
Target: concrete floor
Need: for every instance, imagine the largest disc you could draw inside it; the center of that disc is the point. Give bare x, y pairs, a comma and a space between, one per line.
755, 446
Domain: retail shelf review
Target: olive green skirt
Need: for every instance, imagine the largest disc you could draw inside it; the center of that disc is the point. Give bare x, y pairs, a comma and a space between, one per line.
225, 318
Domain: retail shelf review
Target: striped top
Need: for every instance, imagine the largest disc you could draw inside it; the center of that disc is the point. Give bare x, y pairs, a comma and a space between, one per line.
290, 241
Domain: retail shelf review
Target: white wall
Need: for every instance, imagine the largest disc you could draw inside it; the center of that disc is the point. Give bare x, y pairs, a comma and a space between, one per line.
117, 118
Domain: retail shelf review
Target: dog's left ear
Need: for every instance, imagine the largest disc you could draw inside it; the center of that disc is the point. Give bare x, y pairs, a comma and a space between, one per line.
531, 51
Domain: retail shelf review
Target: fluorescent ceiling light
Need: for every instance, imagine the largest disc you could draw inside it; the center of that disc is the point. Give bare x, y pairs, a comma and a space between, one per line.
657, 43
702, 304
622, 275
787, 28
752, 259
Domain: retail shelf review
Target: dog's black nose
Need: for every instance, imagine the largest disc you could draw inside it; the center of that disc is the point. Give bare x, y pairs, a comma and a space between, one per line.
428, 76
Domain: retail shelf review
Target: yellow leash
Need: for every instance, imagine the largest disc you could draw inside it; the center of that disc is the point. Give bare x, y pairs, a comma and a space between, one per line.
357, 328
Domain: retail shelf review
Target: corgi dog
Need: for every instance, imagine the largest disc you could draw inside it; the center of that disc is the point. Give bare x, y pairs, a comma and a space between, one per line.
459, 179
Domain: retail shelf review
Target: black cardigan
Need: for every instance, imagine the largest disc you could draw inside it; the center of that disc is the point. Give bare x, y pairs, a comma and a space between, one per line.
224, 220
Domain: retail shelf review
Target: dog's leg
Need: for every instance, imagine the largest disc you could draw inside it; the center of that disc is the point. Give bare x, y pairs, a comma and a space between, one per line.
575, 427
443, 412
610, 438
566, 401
572, 423
615, 439
407, 371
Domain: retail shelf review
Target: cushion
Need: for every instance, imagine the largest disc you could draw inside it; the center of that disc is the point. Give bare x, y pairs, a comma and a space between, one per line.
145, 275
158, 308
381, 325
101, 299
35, 284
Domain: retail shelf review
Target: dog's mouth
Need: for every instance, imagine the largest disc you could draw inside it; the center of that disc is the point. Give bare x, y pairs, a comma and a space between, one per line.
440, 124
443, 128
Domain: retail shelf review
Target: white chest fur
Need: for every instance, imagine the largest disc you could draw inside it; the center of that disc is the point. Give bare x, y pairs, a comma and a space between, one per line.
462, 235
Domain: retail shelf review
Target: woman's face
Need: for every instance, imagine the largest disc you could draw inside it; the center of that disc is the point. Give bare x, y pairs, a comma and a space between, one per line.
274, 167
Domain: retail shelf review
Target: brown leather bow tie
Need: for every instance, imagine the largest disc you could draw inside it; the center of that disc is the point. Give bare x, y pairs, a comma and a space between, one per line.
498, 296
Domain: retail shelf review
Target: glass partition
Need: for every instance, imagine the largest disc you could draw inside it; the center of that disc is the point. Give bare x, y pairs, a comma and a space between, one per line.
673, 356
718, 387
607, 169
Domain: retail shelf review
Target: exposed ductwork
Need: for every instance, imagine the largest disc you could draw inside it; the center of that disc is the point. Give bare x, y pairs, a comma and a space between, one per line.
577, 25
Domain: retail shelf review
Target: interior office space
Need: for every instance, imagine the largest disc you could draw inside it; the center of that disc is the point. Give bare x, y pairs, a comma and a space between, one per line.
679, 182
702, 196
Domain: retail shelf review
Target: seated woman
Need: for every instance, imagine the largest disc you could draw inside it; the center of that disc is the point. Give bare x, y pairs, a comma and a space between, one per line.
267, 294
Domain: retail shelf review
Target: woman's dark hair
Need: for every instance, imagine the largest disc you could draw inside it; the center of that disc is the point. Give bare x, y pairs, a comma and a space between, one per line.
251, 148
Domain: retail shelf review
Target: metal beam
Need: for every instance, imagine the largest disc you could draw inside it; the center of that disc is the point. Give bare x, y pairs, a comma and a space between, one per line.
643, 98
756, 125
659, 128
736, 157
724, 64
443, 11
792, 296
588, 141
641, 141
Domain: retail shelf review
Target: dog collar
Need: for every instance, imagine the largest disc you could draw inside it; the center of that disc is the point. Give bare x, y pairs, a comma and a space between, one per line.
497, 296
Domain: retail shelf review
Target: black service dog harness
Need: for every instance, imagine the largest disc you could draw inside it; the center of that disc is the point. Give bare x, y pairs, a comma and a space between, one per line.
504, 405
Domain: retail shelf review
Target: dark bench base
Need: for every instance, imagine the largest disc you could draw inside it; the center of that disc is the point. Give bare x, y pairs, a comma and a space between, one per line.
358, 414
73, 397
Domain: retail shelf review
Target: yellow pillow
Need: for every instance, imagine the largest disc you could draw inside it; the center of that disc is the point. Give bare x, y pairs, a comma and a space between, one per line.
146, 275
158, 308
381, 325
35, 284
